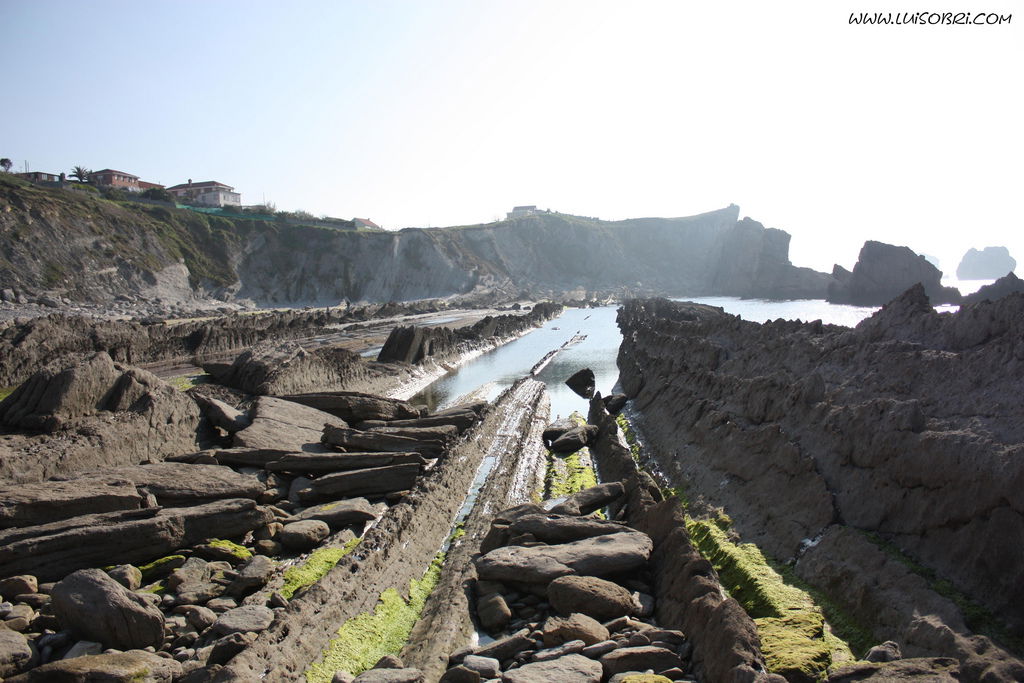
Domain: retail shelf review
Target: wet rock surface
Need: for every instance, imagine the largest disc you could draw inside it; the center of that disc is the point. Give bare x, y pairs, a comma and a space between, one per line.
903, 426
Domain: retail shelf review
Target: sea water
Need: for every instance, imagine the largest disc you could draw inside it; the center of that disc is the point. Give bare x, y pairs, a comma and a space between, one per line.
489, 374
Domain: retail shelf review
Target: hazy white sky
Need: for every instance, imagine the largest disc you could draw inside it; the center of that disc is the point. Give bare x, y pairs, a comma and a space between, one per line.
431, 113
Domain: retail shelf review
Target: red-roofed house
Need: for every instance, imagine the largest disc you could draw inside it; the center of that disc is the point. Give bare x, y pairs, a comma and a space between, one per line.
206, 193
366, 223
108, 177
143, 186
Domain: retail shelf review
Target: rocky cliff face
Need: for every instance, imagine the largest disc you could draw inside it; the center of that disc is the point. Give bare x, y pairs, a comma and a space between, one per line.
990, 262
74, 246
882, 272
826, 444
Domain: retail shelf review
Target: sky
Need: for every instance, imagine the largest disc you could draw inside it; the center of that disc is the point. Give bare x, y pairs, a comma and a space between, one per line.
429, 113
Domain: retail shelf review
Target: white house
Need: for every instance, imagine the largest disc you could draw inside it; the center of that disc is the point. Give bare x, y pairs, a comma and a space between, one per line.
206, 193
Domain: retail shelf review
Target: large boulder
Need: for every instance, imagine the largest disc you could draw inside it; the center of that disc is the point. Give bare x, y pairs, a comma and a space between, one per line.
340, 513
410, 344
285, 427
576, 668
96, 607
987, 264
574, 439
555, 528
15, 653
590, 499
600, 599
44, 502
1004, 286
366, 482
583, 383
598, 556
883, 272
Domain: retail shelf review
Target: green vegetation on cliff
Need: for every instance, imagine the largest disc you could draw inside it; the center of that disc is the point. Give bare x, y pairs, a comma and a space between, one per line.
314, 568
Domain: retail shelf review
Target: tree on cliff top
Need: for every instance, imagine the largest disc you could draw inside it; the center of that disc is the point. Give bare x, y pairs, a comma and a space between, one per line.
80, 173
6, 164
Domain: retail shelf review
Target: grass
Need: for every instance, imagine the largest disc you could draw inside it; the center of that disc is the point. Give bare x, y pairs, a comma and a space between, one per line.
365, 638
316, 566
795, 638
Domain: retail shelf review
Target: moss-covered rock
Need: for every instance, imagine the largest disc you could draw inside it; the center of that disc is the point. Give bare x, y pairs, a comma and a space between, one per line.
315, 567
795, 639
161, 568
365, 638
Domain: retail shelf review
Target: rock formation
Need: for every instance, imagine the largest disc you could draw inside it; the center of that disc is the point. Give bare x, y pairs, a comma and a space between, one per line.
1004, 286
882, 272
827, 445
989, 263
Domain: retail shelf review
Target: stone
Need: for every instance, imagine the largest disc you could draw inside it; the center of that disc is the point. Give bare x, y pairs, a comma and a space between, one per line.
590, 499
226, 647
96, 607
556, 429
200, 618
573, 440
554, 528
504, 648
888, 651
493, 612
372, 481
136, 536
583, 383
356, 407
594, 597
558, 630
1004, 286
573, 667
222, 415
408, 675
31, 504
460, 674
16, 585
567, 648
304, 535
244, 619
640, 659
883, 272
134, 666
600, 555
342, 677
321, 463
252, 575
83, 648
934, 670
389, 662
614, 403
127, 575
15, 653
487, 667
597, 650
339, 514
177, 484
380, 441
285, 427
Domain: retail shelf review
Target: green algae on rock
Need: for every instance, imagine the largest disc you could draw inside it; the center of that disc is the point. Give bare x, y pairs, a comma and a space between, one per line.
316, 566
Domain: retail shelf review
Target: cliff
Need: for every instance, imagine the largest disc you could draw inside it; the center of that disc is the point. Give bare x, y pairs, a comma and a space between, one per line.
81, 248
840, 450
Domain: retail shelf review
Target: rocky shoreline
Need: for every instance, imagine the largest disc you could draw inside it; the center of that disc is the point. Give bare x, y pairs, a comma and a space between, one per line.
292, 519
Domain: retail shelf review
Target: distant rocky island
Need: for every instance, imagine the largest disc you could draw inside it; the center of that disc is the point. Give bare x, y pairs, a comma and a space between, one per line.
987, 264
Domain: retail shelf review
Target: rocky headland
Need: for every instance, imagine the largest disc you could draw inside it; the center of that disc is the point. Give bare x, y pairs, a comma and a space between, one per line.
882, 464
